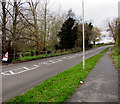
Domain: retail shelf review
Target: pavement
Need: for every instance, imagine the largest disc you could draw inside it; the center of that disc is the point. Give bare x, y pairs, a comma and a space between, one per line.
101, 85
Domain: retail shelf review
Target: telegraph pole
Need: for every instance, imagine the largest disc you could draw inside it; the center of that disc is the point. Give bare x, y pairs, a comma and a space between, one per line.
83, 29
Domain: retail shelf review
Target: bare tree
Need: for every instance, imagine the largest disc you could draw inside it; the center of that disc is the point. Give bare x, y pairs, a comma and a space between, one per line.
113, 29
24, 24
32, 24
4, 13
54, 28
15, 22
119, 35
45, 21
70, 13
95, 36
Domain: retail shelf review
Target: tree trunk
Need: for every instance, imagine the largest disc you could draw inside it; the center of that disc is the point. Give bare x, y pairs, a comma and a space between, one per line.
3, 26
45, 25
38, 46
15, 14
94, 43
119, 35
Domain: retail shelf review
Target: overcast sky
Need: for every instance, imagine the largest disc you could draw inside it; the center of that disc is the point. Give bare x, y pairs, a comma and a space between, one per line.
96, 10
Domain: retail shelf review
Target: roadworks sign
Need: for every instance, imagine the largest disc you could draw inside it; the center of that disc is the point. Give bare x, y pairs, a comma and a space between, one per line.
5, 58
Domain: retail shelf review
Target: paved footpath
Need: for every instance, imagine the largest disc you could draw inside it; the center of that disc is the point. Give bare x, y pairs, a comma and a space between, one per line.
101, 85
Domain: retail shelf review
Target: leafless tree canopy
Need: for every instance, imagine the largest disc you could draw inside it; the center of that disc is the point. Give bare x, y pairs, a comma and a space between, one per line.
31, 25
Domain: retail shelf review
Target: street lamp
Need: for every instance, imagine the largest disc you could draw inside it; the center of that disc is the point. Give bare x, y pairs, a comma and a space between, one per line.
83, 29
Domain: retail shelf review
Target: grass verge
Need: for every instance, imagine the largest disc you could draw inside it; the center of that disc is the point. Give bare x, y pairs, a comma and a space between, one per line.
116, 56
105, 50
58, 88
41, 56
44, 56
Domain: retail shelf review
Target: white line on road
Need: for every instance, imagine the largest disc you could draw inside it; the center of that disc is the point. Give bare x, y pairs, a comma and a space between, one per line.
24, 69
11, 72
68, 57
36, 65
51, 62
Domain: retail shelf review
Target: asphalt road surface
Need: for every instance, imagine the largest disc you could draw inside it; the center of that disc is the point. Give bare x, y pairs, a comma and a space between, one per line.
20, 77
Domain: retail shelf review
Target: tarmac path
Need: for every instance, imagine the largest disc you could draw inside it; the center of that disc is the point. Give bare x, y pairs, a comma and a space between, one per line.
101, 85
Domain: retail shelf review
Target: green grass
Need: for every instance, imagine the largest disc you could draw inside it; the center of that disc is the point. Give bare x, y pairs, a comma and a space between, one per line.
104, 51
116, 56
41, 56
99, 45
58, 88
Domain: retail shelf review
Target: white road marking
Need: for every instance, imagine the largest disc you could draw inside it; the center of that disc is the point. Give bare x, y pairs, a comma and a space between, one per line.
20, 70
48, 62
7, 73
51, 62
26, 68
4, 73
68, 57
58, 60
64, 57
11, 72
36, 65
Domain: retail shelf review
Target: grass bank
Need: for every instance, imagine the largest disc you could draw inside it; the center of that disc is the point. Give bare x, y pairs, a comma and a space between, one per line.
116, 56
43, 56
58, 88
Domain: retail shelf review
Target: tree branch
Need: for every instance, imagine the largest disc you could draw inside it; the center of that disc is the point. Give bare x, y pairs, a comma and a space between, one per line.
27, 20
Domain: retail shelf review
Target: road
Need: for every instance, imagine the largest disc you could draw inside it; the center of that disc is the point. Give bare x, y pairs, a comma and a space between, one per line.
20, 77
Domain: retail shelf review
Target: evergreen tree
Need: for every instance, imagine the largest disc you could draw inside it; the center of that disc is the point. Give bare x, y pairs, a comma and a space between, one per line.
88, 30
67, 34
